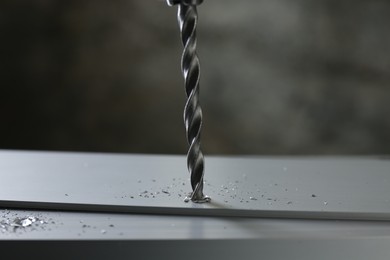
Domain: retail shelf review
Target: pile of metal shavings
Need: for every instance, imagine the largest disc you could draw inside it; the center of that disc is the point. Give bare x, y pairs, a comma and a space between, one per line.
177, 188
13, 222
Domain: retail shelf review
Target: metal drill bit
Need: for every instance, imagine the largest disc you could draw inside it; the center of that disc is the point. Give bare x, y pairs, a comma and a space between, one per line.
188, 18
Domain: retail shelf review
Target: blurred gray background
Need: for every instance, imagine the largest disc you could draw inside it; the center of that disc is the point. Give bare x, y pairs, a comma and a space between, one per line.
278, 76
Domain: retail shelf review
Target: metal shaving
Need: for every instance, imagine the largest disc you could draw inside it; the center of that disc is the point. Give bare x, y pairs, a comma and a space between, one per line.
19, 223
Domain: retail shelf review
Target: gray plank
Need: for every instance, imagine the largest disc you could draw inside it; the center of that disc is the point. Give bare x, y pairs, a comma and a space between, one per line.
302, 187
80, 235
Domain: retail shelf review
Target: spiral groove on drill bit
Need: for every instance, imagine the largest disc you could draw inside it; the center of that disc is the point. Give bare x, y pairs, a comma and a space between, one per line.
188, 18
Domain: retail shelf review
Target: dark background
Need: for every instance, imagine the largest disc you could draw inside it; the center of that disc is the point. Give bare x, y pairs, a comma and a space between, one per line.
278, 76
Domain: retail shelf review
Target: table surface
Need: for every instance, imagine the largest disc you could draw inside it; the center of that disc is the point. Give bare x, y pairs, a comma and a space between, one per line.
308, 187
353, 184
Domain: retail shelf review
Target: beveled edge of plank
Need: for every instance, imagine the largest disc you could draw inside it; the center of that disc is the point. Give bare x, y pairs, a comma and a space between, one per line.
206, 212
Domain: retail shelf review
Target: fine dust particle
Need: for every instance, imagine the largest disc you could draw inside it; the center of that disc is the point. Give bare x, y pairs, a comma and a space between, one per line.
103, 231
290, 202
66, 194
313, 195
252, 198
325, 203
111, 225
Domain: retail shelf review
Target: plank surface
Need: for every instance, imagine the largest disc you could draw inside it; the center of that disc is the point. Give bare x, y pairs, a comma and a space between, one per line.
80, 235
302, 187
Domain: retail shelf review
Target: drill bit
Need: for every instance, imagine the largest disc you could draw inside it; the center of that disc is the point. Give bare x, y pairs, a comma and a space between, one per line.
188, 18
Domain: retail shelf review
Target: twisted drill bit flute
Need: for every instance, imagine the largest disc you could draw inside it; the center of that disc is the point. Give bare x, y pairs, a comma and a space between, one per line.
188, 18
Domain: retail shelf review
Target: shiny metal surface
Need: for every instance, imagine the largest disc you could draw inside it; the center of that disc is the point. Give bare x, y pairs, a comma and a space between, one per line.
188, 18
185, 2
